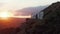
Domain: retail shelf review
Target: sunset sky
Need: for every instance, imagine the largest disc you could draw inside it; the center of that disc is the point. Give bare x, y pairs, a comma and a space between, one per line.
19, 4
12, 5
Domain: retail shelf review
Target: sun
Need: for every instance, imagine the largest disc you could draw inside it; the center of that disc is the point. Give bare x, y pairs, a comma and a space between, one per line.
5, 14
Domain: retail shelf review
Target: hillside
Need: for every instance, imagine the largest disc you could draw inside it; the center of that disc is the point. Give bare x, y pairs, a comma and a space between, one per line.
49, 25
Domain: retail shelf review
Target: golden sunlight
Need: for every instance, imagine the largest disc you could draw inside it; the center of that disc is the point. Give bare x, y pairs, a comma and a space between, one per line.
5, 14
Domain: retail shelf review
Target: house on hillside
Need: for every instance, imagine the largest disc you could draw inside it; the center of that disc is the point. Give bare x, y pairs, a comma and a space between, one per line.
38, 15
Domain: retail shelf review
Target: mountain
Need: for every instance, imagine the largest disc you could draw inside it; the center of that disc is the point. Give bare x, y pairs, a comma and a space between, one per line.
30, 10
50, 24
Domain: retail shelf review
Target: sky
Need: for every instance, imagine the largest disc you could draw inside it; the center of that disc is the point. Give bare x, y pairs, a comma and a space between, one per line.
19, 4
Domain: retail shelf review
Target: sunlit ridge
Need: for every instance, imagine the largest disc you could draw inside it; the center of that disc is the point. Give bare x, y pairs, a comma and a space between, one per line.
22, 16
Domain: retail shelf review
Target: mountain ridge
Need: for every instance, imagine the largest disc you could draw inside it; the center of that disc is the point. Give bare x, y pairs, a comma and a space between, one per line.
30, 10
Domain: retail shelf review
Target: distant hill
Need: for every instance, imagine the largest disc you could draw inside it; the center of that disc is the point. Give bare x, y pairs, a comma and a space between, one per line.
30, 10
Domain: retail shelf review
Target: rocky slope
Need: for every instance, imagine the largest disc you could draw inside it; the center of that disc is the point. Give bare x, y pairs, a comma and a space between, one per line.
49, 25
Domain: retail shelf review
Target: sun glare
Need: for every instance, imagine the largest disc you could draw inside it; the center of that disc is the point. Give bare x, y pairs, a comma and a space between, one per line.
5, 14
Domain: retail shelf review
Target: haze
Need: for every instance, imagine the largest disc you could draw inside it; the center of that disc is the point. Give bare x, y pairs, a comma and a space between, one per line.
19, 4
